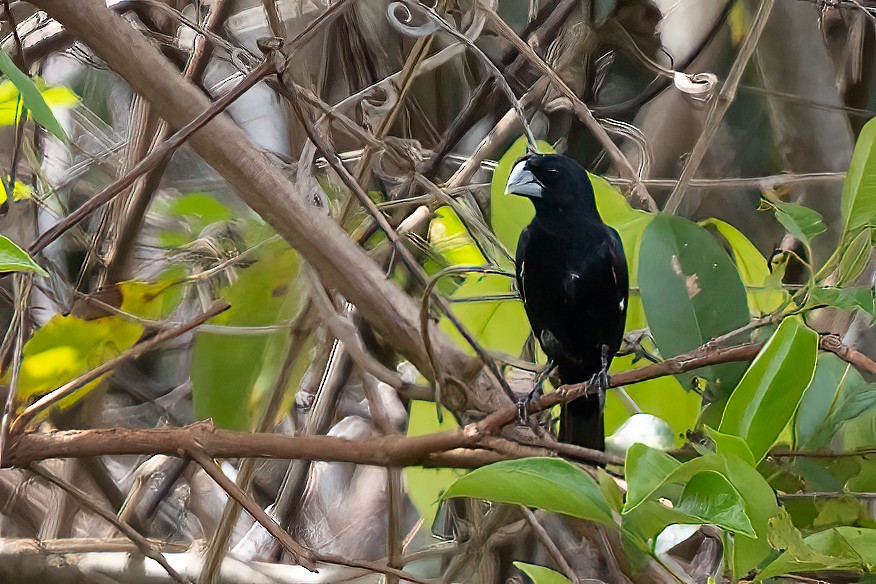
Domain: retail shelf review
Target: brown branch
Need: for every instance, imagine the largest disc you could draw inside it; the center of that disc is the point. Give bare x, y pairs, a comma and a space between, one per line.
270, 193
146, 547
469, 447
299, 554
834, 344
464, 448
693, 360
154, 159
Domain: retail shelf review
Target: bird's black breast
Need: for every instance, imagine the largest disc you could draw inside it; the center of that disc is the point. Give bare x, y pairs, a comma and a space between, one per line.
574, 285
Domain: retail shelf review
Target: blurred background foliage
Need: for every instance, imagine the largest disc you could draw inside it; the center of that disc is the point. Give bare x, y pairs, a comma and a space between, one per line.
733, 471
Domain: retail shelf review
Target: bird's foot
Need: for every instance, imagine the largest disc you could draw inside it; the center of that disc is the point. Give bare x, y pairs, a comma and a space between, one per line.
536, 393
634, 345
599, 381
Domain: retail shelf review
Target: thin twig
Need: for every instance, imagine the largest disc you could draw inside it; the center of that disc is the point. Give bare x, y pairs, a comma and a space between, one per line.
579, 107
146, 547
720, 106
154, 158
300, 554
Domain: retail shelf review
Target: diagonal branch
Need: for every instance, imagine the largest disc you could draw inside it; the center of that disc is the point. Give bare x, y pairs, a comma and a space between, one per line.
227, 149
146, 547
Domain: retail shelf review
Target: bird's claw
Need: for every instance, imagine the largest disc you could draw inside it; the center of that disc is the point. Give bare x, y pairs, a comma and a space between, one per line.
522, 413
633, 345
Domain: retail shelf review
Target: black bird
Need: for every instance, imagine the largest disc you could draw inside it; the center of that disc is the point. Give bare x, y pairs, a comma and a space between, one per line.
572, 276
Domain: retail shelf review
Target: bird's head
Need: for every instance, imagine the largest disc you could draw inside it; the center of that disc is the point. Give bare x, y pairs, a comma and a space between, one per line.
553, 182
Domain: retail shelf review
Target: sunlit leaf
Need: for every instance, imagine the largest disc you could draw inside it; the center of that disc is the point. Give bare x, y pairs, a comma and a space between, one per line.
767, 396
33, 100
15, 259
66, 347
691, 292
450, 239
859, 189
551, 484
540, 574
763, 296
20, 191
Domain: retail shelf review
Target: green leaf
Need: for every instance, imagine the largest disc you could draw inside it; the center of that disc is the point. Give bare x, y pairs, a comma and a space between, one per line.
839, 548
708, 496
510, 214
838, 393
844, 298
785, 537
646, 519
764, 296
645, 470
426, 485
15, 259
801, 222
540, 574
20, 190
450, 239
859, 189
498, 325
730, 445
231, 369
767, 396
33, 100
855, 257
691, 293
551, 484
66, 347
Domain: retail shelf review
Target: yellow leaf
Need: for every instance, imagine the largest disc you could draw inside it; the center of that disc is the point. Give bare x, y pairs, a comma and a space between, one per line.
57, 98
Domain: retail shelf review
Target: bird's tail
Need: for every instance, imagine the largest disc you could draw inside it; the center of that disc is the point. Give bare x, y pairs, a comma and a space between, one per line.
581, 423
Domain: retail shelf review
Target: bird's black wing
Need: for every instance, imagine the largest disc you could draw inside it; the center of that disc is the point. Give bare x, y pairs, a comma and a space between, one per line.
620, 272
519, 261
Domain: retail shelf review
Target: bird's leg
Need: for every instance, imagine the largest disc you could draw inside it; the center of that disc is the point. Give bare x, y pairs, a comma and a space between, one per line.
537, 391
599, 382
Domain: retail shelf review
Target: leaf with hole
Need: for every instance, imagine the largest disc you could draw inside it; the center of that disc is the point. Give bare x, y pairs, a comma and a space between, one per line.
692, 293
